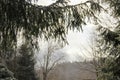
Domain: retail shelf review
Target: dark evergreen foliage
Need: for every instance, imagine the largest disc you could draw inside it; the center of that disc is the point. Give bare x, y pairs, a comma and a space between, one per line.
25, 67
5, 74
111, 43
51, 21
112, 38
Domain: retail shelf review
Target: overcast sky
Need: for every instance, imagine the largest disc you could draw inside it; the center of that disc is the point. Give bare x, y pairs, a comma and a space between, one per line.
78, 41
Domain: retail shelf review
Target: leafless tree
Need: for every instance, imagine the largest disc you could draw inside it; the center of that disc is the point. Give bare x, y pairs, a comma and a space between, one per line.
49, 59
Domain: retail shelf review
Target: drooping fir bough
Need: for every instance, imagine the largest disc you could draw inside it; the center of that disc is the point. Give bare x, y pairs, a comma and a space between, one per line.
51, 21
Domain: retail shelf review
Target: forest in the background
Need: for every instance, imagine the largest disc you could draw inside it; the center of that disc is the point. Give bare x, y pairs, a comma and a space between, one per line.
23, 24
71, 71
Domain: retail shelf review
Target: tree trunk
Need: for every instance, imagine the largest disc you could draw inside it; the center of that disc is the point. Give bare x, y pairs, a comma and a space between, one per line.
44, 76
